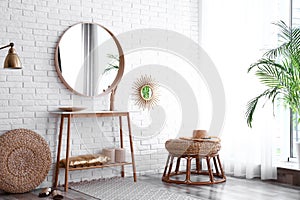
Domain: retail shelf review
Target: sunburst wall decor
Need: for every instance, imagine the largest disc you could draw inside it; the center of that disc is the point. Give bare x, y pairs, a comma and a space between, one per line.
145, 92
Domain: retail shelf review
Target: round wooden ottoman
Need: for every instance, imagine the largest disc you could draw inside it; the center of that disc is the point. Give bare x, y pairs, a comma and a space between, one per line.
197, 149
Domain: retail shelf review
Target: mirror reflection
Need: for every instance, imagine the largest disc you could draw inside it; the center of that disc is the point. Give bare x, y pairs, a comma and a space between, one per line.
89, 59
146, 92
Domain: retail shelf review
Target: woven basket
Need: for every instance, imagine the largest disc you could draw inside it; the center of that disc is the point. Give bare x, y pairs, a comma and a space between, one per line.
201, 147
25, 160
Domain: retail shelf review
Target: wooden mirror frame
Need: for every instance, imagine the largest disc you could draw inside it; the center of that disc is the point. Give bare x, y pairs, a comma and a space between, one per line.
119, 75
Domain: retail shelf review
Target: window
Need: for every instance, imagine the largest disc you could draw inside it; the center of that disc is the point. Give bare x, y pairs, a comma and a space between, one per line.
294, 127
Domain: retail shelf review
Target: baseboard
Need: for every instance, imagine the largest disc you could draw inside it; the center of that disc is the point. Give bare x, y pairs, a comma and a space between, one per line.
289, 176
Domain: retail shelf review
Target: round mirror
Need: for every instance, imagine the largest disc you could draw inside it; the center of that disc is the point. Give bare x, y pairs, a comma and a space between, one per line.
146, 92
89, 59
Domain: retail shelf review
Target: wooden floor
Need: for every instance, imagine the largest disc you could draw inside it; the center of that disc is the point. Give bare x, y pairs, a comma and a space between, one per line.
232, 189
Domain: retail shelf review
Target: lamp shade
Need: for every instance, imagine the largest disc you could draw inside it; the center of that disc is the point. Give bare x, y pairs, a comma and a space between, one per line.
12, 60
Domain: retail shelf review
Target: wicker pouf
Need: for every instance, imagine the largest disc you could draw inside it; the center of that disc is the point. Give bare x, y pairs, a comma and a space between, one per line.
25, 160
198, 149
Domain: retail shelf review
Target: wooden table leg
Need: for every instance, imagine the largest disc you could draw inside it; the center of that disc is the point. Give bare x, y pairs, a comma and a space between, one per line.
170, 166
221, 168
210, 173
216, 166
121, 144
67, 153
198, 164
131, 148
58, 151
166, 167
188, 170
177, 165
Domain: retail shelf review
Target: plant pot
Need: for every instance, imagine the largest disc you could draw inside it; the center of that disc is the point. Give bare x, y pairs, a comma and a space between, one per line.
298, 153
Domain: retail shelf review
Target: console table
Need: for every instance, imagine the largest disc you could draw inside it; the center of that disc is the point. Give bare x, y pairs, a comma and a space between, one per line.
89, 114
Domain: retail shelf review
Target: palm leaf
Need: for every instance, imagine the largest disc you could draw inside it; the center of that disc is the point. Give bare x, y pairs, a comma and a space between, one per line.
252, 104
279, 71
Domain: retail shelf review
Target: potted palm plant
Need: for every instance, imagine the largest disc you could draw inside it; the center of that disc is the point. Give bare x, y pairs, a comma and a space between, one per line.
279, 71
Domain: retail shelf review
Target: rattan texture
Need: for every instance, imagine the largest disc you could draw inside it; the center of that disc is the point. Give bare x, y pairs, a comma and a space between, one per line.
25, 160
202, 148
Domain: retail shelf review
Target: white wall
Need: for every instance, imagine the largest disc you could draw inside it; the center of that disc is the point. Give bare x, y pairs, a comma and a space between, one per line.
27, 95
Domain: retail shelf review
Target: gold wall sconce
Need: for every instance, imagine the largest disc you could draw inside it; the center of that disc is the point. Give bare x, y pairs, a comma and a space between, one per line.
12, 60
145, 92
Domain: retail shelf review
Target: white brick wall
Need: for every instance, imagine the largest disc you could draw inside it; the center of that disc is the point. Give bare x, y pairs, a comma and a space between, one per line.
27, 95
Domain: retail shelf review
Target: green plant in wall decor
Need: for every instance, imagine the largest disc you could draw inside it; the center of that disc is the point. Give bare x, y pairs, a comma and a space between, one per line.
145, 92
279, 71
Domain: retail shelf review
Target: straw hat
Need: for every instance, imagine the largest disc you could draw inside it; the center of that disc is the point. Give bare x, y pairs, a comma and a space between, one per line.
25, 160
199, 133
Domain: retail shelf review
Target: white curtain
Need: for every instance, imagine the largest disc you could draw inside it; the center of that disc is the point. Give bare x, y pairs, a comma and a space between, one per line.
235, 33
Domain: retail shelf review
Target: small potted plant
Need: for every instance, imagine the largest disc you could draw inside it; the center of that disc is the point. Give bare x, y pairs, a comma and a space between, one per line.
279, 71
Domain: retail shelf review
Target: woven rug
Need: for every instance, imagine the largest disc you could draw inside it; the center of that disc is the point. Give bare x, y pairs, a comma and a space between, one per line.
126, 189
